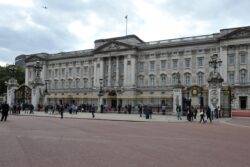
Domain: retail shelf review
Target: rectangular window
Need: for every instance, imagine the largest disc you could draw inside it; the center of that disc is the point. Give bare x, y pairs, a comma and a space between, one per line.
141, 66
56, 72
175, 63
200, 61
243, 58
231, 77
70, 72
63, 72
85, 70
152, 65
50, 74
187, 62
163, 64
231, 59
78, 70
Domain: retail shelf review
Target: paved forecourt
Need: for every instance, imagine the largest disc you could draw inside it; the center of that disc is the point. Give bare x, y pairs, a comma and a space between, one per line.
111, 116
54, 142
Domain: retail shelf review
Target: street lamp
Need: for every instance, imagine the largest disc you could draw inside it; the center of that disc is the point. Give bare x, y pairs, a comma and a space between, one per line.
12, 70
46, 86
100, 93
215, 62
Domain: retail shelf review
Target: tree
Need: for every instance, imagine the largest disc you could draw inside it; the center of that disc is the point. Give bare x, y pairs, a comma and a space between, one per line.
5, 75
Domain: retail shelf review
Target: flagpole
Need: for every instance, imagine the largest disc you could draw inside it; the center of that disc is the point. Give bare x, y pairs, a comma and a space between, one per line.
126, 17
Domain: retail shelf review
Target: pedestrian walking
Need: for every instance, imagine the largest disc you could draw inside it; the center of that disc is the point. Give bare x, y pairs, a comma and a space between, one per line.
202, 115
178, 111
208, 113
5, 110
195, 112
31, 109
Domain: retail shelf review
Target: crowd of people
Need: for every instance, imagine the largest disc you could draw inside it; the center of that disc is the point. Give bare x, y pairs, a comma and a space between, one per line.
204, 112
192, 113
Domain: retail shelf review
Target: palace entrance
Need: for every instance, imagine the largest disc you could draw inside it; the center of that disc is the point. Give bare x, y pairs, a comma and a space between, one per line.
23, 95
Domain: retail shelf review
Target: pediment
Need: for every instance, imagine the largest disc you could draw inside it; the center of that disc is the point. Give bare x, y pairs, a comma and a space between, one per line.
114, 46
238, 33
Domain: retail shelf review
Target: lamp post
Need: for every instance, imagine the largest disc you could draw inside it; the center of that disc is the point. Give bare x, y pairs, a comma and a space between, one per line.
46, 86
215, 62
100, 94
215, 82
38, 68
12, 70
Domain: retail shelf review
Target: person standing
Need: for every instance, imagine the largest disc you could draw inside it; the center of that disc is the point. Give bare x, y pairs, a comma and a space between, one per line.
93, 111
140, 110
195, 112
146, 111
178, 111
150, 108
31, 109
163, 109
209, 114
5, 110
61, 110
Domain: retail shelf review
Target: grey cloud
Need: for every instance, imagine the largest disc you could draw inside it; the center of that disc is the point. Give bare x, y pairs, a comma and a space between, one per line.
55, 37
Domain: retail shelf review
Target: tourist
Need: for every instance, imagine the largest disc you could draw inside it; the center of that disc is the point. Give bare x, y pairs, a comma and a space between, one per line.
195, 112
140, 110
61, 110
208, 113
31, 107
5, 110
129, 108
150, 111
145, 111
163, 109
202, 115
178, 111
93, 110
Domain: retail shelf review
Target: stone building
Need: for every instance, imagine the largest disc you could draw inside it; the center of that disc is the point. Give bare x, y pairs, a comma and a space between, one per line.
134, 71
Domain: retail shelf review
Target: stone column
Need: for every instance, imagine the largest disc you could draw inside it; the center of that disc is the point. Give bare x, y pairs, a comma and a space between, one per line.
109, 72
223, 68
125, 71
26, 75
214, 97
117, 71
11, 88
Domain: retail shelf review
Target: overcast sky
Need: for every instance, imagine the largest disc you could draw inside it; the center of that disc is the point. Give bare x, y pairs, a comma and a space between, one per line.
26, 27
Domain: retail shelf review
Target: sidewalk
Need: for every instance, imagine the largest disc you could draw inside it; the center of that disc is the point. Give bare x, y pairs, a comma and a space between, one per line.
110, 117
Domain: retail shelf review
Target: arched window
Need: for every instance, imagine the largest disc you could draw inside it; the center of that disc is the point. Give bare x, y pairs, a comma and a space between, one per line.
151, 80
85, 82
70, 83
77, 83
141, 81
243, 76
56, 84
63, 84
187, 79
174, 79
200, 78
163, 79
121, 80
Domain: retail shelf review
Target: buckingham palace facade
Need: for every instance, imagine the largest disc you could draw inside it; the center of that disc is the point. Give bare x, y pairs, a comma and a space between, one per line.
137, 72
